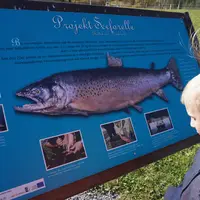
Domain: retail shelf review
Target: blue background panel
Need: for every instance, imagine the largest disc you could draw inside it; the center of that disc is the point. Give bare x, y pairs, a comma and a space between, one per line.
22, 159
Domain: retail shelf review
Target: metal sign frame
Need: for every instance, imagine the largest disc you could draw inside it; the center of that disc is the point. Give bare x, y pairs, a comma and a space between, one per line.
122, 169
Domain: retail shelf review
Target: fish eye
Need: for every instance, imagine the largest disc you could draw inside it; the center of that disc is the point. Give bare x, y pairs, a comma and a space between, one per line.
35, 91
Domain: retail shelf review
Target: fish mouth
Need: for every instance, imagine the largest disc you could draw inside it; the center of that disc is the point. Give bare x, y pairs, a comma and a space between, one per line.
35, 106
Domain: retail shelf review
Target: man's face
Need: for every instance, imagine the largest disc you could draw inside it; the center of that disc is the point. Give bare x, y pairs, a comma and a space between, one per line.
194, 114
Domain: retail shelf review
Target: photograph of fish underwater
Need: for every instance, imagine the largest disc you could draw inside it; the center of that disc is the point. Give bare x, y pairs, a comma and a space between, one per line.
63, 149
159, 121
98, 90
3, 123
118, 133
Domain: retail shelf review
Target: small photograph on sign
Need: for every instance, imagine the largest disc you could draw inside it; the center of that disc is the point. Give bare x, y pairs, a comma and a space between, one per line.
3, 123
158, 121
118, 133
62, 149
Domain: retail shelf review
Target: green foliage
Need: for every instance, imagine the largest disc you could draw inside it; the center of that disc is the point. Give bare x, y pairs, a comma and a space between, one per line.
140, 3
151, 181
195, 16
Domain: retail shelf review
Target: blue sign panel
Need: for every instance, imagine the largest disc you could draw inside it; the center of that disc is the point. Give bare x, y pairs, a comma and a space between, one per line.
84, 92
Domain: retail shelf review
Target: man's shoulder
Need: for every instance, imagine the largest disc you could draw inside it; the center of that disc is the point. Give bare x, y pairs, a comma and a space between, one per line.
190, 184
193, 170
193, 190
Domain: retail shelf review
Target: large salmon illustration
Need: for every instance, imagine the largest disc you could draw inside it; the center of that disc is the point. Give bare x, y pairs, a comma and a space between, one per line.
98, 90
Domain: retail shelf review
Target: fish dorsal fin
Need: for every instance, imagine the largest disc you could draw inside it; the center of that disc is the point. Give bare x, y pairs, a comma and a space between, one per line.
153, 65
114, 62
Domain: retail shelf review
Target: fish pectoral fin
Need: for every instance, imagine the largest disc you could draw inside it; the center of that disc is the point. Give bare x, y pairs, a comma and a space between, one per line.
82, 113
161, 94
73, 111
138, 108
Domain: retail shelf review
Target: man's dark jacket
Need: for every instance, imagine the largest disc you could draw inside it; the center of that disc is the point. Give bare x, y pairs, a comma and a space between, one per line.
189, 189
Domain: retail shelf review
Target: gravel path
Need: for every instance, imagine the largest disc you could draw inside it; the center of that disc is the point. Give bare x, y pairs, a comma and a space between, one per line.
95, 195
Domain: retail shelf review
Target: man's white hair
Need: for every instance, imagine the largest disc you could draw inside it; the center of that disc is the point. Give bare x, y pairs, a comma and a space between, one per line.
191, 93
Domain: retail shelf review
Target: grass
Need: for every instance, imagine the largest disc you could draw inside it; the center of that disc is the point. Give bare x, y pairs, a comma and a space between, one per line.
151, 181
194, 15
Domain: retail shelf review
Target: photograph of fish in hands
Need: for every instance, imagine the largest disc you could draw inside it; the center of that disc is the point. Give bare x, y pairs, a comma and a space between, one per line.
118, 133
99, 90
62, 149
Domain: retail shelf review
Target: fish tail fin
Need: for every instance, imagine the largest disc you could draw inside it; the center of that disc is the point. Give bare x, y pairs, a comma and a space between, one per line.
174, 74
